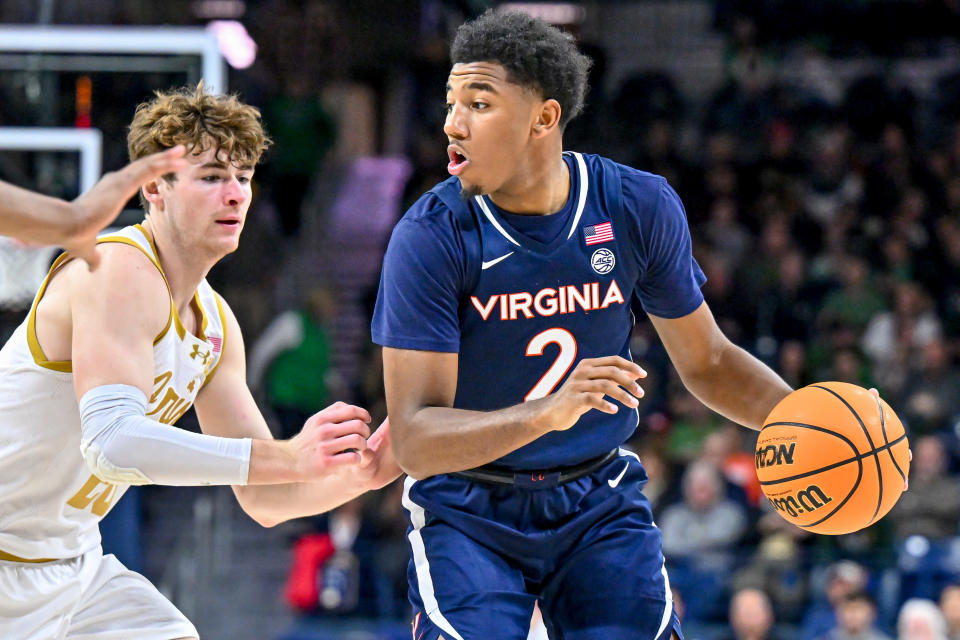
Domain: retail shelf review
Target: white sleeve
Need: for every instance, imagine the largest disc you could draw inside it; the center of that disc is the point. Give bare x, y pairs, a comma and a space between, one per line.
120, 444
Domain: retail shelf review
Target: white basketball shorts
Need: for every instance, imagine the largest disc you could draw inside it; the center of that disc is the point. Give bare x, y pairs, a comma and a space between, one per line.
93, 597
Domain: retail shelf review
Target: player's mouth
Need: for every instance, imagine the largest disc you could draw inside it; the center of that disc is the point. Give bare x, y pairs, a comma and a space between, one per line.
458, 161
230, 223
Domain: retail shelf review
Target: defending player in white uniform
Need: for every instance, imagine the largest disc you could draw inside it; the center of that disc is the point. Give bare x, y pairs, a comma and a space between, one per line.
107, 361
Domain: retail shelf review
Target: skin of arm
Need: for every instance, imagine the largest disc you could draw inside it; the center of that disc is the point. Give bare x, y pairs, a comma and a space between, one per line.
431, 438
38, 219
115, 314
720, 374
119, 309
225, 407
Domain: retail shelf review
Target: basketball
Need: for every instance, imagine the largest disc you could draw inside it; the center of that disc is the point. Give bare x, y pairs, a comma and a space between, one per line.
832, 458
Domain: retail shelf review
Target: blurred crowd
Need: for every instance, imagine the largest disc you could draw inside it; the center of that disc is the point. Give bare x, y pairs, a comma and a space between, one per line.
825, 212
826, 215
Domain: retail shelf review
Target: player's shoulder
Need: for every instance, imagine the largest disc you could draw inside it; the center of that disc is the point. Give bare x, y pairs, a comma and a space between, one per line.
223, 309
644, 193
438, 218
436, 205
637, 186
124, 289
639, 183
231, 334
123, 266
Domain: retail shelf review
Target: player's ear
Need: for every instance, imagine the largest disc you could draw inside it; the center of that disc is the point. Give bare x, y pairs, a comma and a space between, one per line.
151, 193
547, 118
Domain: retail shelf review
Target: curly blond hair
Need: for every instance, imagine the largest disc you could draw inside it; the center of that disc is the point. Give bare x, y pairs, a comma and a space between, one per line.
198, 120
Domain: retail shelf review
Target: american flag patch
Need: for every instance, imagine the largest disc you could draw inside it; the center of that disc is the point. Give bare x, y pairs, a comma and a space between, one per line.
597, 233
216, 342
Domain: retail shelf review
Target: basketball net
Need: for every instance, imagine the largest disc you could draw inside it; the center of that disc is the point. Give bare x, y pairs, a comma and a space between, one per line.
22, 269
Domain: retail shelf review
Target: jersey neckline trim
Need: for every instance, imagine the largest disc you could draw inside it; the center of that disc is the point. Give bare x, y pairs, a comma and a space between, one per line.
583, 187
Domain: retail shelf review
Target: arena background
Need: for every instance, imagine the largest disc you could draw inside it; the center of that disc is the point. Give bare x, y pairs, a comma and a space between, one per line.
815, 145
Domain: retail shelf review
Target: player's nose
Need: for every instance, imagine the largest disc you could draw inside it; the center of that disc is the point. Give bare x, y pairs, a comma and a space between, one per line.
454, 125
234, 194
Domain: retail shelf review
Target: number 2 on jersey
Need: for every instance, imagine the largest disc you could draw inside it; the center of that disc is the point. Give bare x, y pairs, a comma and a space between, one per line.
568, 353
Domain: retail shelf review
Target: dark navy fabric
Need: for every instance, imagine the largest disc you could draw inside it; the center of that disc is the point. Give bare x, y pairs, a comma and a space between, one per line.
459, 279
588, 551
522, 299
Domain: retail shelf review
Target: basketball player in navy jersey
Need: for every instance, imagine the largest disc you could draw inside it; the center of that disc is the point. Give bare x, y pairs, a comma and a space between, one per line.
505, 314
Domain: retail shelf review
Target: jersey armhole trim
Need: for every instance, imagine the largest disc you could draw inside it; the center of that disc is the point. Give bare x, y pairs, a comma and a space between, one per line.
223, 344
39, 357
204, 319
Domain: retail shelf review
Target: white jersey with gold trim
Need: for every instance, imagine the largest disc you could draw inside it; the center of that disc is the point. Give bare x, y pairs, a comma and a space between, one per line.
50, 503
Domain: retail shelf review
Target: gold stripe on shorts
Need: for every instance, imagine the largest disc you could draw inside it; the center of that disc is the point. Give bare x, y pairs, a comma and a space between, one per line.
9, 557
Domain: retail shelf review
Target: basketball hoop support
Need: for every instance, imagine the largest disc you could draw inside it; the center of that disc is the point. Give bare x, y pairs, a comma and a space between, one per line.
87, 142
122, 40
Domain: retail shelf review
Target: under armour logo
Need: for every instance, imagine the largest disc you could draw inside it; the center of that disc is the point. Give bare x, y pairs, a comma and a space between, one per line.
196, 352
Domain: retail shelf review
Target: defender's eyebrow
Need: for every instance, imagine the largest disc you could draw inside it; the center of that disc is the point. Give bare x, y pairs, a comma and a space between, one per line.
479, 86
482, 86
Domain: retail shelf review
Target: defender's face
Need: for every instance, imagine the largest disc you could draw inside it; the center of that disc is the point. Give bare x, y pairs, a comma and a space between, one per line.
207, 203
488, 125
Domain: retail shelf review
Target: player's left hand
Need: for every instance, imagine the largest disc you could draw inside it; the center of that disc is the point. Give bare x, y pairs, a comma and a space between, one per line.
906, 481
378, 467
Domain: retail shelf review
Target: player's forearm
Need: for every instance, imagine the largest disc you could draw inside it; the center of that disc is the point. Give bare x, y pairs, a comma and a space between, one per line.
272, 462
738, 386
270, 505
33, 217
443, 440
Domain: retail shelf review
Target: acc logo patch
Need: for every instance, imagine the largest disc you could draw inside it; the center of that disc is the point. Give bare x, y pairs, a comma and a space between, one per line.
603, 261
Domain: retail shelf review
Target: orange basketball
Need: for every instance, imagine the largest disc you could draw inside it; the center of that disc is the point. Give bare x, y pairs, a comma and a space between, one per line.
832, 458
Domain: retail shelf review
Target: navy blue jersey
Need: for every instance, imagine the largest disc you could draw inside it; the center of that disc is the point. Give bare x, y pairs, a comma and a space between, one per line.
522, 308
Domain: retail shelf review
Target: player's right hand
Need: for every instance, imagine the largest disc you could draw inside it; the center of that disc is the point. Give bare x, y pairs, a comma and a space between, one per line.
592, 381
330, 440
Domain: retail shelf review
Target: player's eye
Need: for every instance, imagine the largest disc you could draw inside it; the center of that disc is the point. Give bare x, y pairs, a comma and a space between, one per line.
210, 178
479, 106
448, 107
243, 179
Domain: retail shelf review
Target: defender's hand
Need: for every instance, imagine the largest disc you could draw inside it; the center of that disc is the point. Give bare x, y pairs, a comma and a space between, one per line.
330, 440
99, 206
378, 467
591, 380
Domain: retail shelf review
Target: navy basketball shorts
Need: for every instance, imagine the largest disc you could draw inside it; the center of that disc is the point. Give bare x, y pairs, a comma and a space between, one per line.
586, 552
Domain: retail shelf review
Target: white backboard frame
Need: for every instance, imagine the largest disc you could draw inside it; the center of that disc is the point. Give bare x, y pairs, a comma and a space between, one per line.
124, 40
87, 142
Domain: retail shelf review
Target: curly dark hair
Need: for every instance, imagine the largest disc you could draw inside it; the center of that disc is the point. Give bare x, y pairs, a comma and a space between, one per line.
535, 54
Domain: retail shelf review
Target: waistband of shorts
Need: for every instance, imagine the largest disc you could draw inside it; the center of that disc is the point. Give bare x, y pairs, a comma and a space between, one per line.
9, 557
491, 474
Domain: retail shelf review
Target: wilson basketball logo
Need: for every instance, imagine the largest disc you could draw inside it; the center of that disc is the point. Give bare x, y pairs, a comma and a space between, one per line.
775, 454
805, 501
